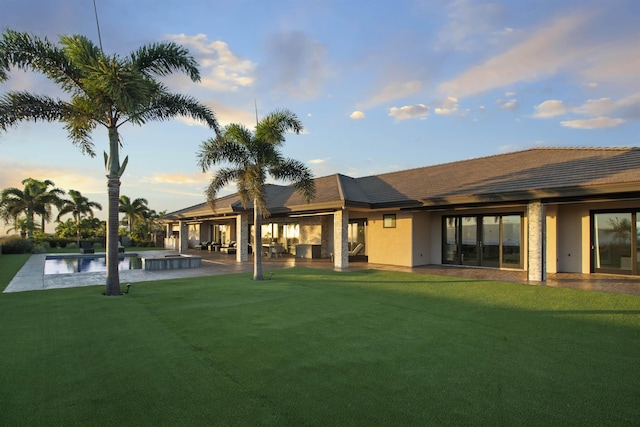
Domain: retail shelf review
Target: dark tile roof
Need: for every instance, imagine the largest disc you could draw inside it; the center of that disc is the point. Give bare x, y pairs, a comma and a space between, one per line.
522, 171
538, 170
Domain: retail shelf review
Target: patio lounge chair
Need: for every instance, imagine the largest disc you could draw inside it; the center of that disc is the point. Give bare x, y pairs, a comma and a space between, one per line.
228, 249
356, 250
203, 245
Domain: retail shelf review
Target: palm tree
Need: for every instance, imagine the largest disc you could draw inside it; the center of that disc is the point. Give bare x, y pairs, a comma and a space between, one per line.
22, 225
250, 158
134, 211
34, 199
79, 207
105, 90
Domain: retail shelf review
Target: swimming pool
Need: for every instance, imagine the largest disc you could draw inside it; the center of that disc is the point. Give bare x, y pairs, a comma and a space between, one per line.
86, 264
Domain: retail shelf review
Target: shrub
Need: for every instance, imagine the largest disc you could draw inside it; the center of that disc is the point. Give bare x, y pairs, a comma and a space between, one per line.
15, 245
97, 246
72, 245
59, 242
39, 248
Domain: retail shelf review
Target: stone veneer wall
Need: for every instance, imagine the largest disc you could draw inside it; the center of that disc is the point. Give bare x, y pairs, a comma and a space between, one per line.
340, 229
536, 236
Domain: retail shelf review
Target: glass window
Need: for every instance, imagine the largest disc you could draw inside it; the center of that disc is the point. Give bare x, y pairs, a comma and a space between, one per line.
357, 232
612, 240
389, 221
491, 241
451, 240
511, 232
486, 240
469, 250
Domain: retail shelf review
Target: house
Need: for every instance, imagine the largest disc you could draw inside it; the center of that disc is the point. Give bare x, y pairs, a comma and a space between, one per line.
542, 210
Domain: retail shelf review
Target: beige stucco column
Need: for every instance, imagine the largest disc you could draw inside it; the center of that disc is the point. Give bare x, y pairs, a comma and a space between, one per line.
536, 238
340, 243
242, 237
183, 244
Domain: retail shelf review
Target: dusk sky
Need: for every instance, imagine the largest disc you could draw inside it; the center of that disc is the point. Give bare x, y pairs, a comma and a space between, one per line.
379, 85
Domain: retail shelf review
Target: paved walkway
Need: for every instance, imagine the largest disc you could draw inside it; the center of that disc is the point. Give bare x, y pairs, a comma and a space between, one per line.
31, 276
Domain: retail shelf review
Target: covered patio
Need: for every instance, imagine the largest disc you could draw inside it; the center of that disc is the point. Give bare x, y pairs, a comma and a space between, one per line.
593, 282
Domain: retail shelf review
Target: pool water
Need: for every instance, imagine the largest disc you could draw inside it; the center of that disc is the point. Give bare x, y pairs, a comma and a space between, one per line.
92, 264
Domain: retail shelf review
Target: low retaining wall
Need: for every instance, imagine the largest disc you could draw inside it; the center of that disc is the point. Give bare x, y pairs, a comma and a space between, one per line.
171, 262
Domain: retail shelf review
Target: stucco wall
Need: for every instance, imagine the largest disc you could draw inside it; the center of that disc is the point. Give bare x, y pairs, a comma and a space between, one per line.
422, 238
390, 245
551, 248
573, 235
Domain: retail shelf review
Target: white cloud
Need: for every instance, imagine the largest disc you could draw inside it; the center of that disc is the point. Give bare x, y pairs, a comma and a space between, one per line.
598, 111
225, 116
509, 104
175, 178
393, 91
449, 106
593, 123
550, 108
628, 107
417, 111
319, 161
357, 115
545, 52
509, 148
596, 107
220, 68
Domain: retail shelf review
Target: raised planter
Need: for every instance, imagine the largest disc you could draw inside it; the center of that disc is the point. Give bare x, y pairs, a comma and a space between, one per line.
171, 262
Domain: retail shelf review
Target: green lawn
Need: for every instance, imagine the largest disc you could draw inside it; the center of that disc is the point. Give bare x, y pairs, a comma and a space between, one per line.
315, 347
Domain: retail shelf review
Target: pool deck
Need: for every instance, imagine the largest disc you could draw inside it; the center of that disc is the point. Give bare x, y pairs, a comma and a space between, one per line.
31, 277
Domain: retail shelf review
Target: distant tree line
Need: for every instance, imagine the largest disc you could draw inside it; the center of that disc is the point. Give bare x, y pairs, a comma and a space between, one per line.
28, 209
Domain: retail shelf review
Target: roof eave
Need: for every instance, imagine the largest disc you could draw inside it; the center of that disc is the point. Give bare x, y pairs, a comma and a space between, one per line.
545, 195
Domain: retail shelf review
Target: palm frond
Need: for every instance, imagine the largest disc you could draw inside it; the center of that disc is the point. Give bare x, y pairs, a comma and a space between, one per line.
273, 127
161, 59
221, 179
219, 150
165, 106
114, 84
299, 174
26, 51
19, 106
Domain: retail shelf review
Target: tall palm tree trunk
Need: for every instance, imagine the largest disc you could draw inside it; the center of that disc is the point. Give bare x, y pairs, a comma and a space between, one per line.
113, 192
30, 215
257, 242
78, 229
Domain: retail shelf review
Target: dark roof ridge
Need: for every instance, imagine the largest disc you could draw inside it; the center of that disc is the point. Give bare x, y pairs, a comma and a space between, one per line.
340, 186
574, 148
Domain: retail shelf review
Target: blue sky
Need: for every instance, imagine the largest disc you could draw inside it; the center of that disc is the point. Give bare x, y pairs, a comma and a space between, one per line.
379, 85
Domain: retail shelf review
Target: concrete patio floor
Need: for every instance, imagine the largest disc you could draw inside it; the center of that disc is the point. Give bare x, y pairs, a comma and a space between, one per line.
31, 276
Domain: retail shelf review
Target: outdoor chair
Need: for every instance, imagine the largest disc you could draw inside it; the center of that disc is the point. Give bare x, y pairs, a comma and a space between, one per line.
356, 250
229, 249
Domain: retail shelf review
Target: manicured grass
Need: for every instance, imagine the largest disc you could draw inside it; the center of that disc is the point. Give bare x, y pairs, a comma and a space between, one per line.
315, 347
9, 266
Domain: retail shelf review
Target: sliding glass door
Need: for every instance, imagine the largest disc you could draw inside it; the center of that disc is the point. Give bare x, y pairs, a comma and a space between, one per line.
615, 242
482, 240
